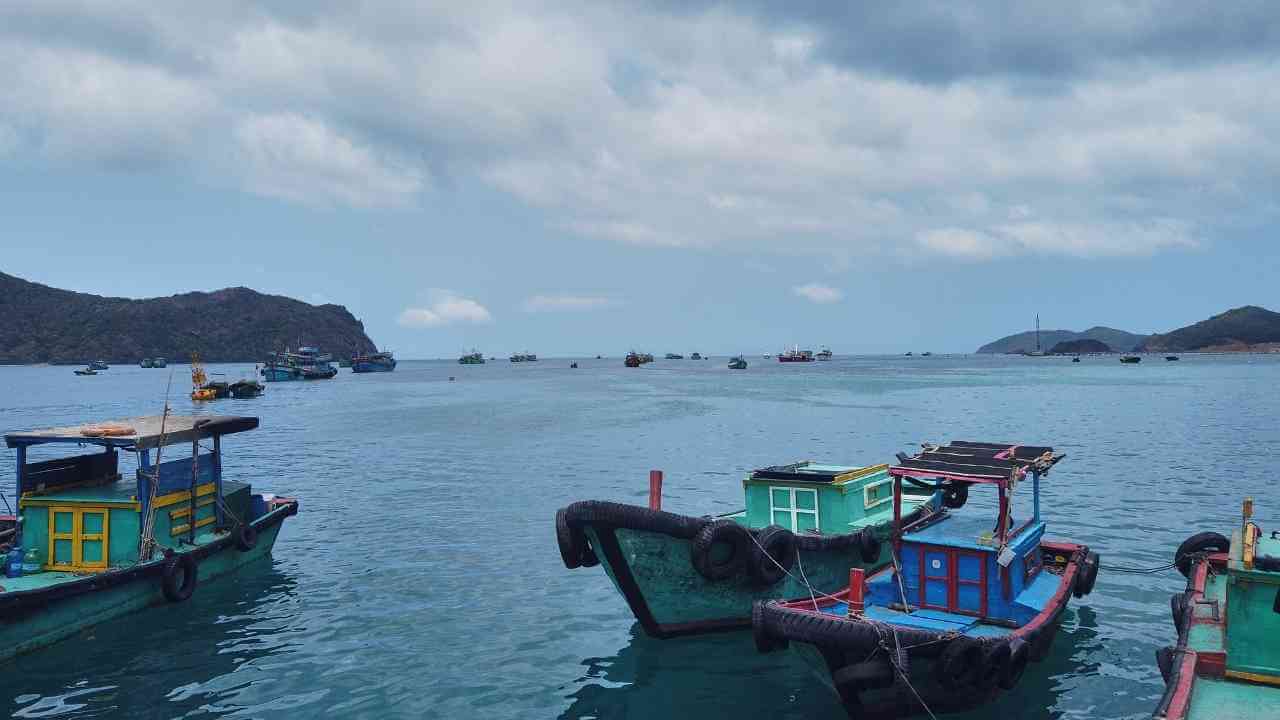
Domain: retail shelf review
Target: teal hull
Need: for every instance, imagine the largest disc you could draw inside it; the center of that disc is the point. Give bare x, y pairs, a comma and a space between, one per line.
33, 619
680, 601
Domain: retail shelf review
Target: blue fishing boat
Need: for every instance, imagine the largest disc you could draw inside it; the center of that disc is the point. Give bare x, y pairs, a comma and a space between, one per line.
373, 362
99, 365
306, 364
92, 544
962, 607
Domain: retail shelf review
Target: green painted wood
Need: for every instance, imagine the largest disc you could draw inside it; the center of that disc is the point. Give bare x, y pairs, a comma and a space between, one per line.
840, 507
1213, 699
1252, 622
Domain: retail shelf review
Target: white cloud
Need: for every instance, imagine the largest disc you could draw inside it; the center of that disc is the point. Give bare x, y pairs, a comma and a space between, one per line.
561, 303
818, 293
444, 308
720, 127
300, 159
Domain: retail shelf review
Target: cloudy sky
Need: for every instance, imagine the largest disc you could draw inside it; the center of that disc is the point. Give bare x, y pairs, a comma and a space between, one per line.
673, 176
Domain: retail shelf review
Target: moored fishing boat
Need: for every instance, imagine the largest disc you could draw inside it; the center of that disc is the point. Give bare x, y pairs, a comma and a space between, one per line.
307, 363
632, 360
685, 575
147, 363
242, 389
1226, 663
961, 609
86, 371
674, 356
472, 358
696, 356
382, 361
159, 362
737, 363
92, 546
99, 365
795, 354
1130, 359
824, 354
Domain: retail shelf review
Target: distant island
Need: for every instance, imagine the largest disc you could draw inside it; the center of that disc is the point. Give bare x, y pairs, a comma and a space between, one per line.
1243, 329
1025, 342
48, 325
1083, 346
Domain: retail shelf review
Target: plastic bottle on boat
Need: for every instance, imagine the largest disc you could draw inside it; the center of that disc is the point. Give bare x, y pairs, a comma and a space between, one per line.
13, 563
31, 563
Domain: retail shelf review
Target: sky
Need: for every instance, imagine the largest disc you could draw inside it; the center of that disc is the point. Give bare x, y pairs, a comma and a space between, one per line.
588, 178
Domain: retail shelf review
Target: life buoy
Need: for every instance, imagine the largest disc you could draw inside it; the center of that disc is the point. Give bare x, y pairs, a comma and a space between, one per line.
1198, 543
246, 537
960, 665
719, 550
1087, 575
1019, 656
772, 555
180, 577
955, 495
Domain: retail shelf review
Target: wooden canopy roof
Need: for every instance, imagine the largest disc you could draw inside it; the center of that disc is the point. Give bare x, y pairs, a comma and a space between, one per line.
976, 462
145, 432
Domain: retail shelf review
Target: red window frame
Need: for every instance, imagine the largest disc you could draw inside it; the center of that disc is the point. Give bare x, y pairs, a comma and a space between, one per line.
953, 581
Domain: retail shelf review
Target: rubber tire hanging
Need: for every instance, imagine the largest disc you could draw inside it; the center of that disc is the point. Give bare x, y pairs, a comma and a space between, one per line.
1198, 543
181, 575
246, 537
720, 532
774, 542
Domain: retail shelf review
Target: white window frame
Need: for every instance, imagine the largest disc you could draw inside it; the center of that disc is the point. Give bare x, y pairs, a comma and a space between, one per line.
794, 511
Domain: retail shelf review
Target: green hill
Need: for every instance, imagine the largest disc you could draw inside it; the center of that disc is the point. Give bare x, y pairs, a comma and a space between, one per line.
1026, 341
1080, 347
44, 324
1236, 329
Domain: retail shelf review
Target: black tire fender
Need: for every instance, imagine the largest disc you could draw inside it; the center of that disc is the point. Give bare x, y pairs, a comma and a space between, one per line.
995, 664
1198, 543
246, 537
961, 664
1178, 606
181, 575
765, 642
955, 495
723, 533
873, 674
868, 545
1087, 575
569, 539
772, 555
1164, 661
1019, 656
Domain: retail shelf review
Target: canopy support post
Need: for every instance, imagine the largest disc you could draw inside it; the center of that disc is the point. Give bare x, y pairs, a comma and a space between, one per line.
17, 497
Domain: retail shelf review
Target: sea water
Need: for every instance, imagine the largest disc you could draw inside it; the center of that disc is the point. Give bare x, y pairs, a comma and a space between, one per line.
421, 577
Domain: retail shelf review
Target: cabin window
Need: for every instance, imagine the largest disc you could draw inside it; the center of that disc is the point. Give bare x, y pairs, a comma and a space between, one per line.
78, 538
875, 494
794, 508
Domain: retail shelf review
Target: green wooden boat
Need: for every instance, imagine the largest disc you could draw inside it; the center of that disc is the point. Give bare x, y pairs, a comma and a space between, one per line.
1226, 664
91, 546
805, 526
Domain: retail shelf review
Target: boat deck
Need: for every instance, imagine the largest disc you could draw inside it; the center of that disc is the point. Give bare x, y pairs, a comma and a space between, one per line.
1227, 700
874, 517
959, 531
1208, 632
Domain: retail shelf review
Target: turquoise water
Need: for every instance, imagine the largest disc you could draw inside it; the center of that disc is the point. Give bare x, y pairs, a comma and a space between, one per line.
421, 578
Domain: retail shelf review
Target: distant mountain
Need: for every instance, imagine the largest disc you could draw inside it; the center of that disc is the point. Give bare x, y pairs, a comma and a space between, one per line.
1026, 341
44, 324
1080, 347
1238, 329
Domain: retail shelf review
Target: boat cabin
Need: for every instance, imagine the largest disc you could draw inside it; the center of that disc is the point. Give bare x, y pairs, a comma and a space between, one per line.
1252, 617
829, 499
957, 568
78, 514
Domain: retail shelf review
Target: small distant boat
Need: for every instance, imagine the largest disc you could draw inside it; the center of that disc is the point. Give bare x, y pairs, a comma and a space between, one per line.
373, 362
599, 357
472, 358
344, 363
242, 389
737, 363
86, 371
674, 356
147, 363
909, 354
98, 365
695, 356
159, 363
1075, 359
1171, 358
573, 365
926, 354
795, 354
524, 357
767, 356
1130, 359
824, 354
633, 360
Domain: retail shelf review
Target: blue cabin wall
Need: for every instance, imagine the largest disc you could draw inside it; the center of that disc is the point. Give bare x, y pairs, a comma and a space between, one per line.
974, 573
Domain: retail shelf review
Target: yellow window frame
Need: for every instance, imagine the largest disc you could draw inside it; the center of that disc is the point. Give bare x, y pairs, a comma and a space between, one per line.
78, 536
